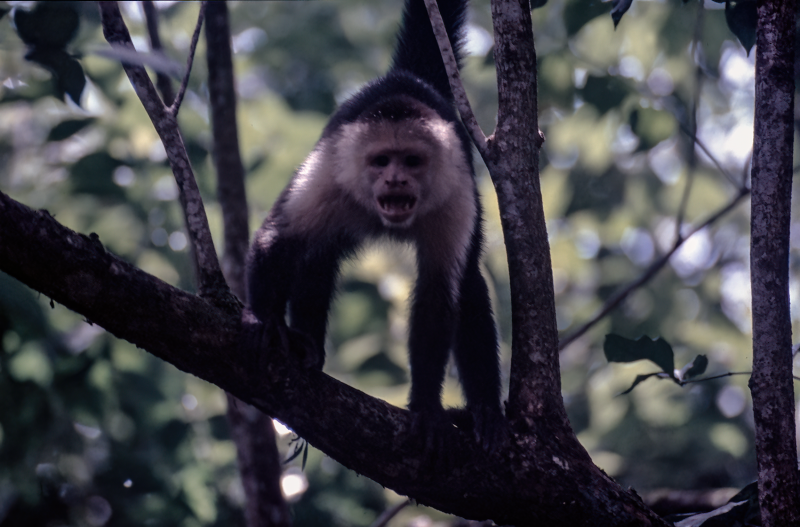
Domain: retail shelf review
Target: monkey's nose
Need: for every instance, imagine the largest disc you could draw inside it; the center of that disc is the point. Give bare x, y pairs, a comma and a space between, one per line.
396, 182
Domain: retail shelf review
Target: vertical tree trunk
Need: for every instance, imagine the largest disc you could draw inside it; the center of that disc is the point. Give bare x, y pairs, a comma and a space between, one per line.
251, 430
771, 382
534, 397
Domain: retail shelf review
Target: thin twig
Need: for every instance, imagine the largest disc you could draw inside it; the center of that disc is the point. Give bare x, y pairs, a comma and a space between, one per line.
721, 375
210, 281
388, 514
456, 86
615, 300
692, 161
162, 80
650, 272
711, 156
189, 60
251, 430
671, 103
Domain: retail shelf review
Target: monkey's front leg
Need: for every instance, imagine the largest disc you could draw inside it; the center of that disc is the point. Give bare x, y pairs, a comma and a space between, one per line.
310, 299
476, 355
272, 270
432, 324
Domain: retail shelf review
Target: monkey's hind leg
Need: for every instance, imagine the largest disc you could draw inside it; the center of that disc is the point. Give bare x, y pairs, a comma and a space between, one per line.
476, 355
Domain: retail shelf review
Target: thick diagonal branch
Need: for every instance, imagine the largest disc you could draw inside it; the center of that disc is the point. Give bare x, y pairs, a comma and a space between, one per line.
516, 484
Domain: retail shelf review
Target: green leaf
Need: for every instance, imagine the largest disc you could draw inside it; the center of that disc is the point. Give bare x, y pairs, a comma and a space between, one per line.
742, 20
70, 80
742, 509
578, 14
619, 8
94, 174
620, 349
696, 367
537, 3
67, 72
49, 25
68, 128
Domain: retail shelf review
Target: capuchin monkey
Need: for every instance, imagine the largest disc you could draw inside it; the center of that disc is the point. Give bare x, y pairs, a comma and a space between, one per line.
394, 162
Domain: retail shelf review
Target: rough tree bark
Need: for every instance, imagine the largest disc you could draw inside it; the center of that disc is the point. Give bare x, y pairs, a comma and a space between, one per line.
534, 479
209, 278
253, 432
771, 383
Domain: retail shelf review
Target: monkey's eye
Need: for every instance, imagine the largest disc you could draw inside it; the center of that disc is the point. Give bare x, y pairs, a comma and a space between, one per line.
380, 161
413, 161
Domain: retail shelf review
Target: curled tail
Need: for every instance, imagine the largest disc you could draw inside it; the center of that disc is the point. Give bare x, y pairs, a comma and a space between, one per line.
417, 51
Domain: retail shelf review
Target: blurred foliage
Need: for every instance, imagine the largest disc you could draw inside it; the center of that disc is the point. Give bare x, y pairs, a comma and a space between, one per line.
46, 29
95, 432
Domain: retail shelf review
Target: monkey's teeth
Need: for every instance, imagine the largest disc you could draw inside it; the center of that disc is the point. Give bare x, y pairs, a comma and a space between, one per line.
395, 204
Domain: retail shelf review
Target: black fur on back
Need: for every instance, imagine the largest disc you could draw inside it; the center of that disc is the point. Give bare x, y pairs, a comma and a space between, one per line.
417, 70
417, 51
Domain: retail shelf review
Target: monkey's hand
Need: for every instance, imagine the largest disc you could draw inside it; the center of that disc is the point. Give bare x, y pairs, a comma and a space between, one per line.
258, 335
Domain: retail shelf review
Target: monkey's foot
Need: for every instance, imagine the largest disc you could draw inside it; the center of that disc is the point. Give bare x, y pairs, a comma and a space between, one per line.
437, 432
489, 427
258, 336
303, 346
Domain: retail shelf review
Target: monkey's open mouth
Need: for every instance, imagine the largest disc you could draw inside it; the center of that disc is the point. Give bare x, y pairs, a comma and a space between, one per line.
397, 208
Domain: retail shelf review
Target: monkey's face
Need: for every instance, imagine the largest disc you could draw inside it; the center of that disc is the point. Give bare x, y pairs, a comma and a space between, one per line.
400, 170
397, 178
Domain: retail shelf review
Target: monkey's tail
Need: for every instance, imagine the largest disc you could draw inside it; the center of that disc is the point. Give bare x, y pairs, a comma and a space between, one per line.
417, 51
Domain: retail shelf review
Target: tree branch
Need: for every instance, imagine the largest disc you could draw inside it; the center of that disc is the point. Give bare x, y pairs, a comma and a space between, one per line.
200, 338
162, 79
252, 431
210, 281
513, 162
456, 86
650, 272
176, 104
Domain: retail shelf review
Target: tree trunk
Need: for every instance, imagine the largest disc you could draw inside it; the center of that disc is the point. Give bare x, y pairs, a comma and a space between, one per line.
253, 432
771, 382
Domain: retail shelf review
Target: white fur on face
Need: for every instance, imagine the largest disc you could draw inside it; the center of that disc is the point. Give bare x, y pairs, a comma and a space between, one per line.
446, 215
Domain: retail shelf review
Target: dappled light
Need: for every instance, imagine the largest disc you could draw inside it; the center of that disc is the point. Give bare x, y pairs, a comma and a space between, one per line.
104, 433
